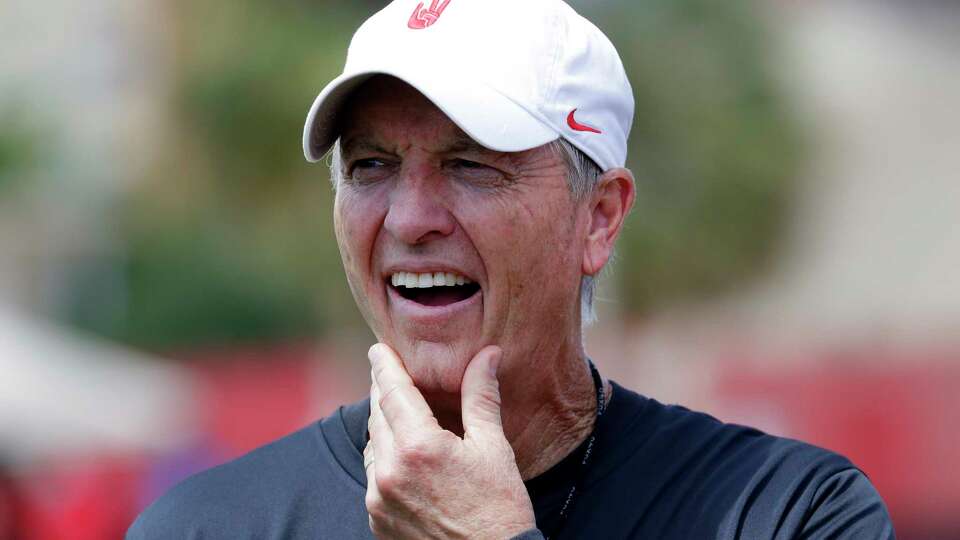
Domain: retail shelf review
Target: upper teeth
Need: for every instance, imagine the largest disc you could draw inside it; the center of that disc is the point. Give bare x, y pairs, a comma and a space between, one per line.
413, 280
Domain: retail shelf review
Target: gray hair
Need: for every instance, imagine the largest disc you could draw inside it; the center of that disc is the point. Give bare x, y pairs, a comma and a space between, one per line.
583, 175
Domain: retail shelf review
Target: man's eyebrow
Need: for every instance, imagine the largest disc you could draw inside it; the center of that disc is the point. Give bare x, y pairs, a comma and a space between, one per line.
362, 145
461, 143
464, 143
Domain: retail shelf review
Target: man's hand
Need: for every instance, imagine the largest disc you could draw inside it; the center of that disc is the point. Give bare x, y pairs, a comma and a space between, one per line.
426, 482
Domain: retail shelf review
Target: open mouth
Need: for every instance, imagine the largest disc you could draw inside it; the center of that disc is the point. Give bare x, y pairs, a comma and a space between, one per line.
435, 289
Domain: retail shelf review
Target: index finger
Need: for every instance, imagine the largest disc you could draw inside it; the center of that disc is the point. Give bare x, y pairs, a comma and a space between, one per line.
402, 404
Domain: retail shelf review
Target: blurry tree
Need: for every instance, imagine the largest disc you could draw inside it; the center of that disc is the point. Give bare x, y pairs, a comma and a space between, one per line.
19, 143
230, 238
713, 146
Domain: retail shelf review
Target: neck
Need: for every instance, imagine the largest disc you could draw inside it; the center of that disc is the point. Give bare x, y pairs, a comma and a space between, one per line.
544, 419
556, 427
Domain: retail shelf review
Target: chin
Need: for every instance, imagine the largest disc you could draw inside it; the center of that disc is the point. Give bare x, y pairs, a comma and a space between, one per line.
436, 367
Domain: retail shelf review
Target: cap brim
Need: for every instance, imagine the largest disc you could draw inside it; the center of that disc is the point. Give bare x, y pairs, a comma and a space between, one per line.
485, 115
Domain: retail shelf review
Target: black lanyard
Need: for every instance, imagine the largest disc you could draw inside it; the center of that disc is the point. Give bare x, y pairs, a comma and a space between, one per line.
587, 454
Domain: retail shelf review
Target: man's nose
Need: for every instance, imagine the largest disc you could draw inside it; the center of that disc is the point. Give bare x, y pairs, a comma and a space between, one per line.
417, 211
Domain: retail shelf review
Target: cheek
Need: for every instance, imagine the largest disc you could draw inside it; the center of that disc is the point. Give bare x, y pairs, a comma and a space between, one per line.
342, 230
355, 226
545, 237
536, 251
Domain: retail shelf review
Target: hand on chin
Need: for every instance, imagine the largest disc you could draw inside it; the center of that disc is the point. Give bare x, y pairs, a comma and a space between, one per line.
437, 370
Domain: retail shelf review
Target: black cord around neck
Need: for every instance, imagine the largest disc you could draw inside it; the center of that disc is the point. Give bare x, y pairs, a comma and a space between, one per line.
587, 454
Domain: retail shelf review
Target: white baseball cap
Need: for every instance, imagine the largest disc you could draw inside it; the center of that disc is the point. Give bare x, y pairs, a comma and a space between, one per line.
512, 74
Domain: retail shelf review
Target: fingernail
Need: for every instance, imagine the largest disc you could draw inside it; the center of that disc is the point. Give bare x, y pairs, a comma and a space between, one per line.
372, 354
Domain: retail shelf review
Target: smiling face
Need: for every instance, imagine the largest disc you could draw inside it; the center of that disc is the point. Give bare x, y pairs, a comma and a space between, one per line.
421, 205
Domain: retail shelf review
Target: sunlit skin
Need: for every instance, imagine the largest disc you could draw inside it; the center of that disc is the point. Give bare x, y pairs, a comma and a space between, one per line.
419, 195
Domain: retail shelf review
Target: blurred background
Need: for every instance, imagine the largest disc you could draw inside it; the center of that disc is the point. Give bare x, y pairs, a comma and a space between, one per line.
171, 295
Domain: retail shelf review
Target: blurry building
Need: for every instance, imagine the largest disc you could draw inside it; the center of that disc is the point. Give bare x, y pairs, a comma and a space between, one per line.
875, 250
87, 82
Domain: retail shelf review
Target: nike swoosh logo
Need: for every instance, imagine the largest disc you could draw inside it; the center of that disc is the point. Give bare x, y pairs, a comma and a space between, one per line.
577, 126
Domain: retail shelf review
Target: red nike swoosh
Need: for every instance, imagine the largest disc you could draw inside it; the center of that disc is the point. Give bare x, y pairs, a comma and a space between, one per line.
577, 126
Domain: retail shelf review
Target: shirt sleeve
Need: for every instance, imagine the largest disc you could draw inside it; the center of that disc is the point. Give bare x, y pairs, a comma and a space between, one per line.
846, 506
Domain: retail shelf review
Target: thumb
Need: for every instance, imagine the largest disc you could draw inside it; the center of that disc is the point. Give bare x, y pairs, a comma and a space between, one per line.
480, 393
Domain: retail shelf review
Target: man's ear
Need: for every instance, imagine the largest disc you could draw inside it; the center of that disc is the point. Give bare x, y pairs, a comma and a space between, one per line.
608, 208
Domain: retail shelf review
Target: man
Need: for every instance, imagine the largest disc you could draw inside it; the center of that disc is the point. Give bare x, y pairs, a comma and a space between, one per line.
478, 149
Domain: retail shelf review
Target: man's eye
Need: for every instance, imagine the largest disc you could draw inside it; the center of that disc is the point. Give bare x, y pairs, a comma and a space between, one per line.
370, 163
467, 164
476, 173
367, 170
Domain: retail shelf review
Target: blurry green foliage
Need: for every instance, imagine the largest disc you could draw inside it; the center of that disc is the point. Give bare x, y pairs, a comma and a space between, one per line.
19, 143
713, 147
191, 284
231, 239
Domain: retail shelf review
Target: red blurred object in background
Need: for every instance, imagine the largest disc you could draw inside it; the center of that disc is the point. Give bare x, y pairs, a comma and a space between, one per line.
242, 399
248, 398
91, 499
896, 418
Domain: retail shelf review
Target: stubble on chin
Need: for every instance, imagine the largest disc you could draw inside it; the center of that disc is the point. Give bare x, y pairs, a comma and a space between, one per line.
437, 372
435, 367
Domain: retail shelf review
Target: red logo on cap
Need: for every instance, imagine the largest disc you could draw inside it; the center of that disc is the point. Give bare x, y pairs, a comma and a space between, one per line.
577, 126
422, 18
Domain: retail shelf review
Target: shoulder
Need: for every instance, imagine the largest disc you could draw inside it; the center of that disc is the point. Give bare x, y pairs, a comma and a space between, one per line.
215, 498
744, 480
698, 439
277, 484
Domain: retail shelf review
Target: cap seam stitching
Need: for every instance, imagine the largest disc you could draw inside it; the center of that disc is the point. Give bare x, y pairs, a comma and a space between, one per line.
552, 85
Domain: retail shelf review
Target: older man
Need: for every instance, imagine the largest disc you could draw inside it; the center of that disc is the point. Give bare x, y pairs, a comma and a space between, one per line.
477, 152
